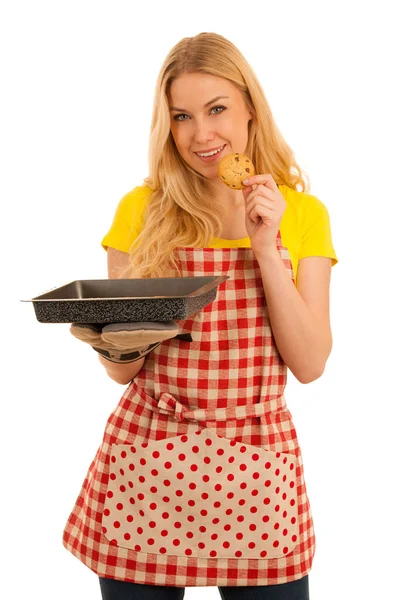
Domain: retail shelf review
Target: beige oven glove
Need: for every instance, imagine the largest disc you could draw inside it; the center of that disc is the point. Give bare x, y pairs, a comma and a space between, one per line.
126, 342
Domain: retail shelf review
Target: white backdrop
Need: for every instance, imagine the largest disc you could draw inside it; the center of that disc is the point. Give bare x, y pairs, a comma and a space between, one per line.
77, 83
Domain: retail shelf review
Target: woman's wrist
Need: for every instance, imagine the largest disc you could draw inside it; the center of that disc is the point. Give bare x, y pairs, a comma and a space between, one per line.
122, 373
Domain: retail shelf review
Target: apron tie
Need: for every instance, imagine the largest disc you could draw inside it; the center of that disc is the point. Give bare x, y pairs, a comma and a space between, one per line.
168, 405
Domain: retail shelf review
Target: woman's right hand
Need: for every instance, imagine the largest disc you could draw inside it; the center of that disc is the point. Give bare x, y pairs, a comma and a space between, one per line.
125, 342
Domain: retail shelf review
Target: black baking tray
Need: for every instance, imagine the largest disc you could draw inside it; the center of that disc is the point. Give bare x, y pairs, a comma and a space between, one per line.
126, 300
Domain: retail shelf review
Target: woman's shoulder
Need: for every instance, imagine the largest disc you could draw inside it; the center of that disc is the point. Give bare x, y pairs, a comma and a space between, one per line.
128, 219
306, 225
138, 195
301, 201
303, 208
132, 205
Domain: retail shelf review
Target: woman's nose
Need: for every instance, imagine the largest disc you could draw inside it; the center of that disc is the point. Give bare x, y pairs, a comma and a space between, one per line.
202, 132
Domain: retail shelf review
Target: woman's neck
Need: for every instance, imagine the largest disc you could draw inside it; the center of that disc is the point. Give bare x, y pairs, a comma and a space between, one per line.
233, 222
225, 196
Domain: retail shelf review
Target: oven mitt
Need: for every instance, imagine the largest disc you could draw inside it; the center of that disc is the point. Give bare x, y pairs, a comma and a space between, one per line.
126, 342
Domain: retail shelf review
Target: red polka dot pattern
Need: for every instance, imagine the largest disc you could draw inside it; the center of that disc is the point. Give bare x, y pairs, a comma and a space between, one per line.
202, 495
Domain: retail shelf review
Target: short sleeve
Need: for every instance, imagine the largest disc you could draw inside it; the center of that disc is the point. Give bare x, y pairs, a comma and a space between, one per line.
316, 235
128, 220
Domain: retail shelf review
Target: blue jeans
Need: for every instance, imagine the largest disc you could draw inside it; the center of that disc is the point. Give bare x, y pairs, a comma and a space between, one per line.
112, 589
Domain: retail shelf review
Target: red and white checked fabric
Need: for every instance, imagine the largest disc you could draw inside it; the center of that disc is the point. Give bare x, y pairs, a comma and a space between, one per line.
169, 405
199, 477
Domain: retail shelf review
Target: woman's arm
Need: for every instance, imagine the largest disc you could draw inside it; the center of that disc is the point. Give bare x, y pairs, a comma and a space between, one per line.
299, 316
117, 262
122, 373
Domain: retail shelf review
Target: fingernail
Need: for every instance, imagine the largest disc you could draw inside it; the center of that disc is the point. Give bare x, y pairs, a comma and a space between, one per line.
245, 181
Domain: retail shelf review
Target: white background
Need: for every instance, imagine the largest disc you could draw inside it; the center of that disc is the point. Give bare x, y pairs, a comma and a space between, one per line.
77, 83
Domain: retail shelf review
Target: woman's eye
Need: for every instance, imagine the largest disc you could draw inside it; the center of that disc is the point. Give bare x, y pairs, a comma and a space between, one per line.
177, 117
218, 110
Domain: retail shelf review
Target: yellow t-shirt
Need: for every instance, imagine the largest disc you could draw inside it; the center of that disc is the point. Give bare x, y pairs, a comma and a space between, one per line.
305, 226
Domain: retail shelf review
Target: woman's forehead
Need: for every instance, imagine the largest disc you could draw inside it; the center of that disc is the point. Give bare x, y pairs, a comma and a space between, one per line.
199, 87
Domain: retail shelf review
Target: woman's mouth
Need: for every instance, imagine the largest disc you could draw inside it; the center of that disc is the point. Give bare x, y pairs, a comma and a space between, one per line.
212, 155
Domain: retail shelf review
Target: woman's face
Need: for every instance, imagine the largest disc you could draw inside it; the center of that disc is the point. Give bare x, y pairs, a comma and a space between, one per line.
208, 114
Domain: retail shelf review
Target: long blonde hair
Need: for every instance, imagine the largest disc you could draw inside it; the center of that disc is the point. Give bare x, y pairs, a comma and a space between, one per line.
179, 211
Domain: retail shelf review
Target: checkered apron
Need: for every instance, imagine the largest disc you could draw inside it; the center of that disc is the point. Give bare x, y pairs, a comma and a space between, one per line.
199, 479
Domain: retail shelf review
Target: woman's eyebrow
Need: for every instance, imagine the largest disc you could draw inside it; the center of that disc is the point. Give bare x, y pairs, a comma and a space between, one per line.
205, 106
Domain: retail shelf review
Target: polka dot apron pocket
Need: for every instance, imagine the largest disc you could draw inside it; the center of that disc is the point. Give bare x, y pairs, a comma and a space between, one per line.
201, 495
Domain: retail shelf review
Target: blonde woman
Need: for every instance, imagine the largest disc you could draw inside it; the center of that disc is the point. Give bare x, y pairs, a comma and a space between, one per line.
199, 478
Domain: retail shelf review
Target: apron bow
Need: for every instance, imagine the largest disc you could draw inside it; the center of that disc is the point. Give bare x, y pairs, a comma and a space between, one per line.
168, 405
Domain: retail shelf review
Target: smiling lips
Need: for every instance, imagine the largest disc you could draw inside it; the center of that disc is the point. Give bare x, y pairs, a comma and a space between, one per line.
210, 153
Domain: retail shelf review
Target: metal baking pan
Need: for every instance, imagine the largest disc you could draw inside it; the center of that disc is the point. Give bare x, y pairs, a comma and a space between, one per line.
126, 300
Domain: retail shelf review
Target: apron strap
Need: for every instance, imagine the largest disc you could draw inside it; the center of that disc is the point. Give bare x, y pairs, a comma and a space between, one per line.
169, 405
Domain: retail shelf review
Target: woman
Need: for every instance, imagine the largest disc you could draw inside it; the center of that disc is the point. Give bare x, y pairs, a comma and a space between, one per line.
199, 478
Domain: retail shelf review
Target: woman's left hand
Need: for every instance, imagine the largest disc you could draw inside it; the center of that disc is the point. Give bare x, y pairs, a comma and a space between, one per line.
265, 206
